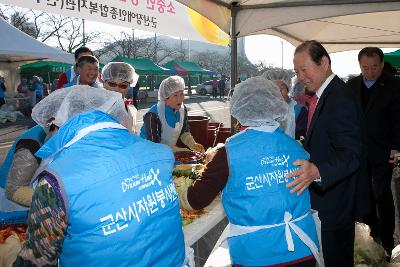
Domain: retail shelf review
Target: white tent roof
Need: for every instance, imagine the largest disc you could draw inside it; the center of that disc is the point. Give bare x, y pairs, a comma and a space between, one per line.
18, 48
338, 24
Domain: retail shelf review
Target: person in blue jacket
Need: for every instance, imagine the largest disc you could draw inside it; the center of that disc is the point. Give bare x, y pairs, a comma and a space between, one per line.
103, 196
37, 87
268, 226
167, 121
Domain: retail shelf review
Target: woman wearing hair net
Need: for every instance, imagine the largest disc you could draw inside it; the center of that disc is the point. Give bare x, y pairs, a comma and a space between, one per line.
91, 205
118, 77
282, 79
166, 121
269, 226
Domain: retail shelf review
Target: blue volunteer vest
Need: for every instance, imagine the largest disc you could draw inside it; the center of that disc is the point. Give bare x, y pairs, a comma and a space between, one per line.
35, 133
122, 207
256, 195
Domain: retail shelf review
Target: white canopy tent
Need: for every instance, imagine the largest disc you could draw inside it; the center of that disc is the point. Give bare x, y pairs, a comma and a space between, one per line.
18, 48
338, 24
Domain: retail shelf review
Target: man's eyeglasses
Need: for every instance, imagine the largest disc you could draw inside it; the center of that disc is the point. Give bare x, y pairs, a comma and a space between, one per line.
119, 85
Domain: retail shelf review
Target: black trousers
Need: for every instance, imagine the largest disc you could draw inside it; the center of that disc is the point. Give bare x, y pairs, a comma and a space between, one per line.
215, 91
382, 219
338, 246
221, 92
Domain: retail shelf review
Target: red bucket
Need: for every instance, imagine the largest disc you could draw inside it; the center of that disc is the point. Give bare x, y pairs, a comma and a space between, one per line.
223, 134
198, 128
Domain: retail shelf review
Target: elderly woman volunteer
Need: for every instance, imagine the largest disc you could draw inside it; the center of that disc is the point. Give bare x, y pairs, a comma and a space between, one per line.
166, 122
282, 79
91, 205
269, 226
118, 77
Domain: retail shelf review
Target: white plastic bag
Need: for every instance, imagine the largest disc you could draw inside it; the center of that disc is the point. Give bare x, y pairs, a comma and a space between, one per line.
189, 258
396, 255
366, 250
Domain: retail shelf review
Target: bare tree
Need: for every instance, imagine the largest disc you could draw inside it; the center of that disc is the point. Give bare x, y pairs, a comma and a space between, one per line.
68, 32
65, 31
125, 46
147, 47
215, 61
159, 51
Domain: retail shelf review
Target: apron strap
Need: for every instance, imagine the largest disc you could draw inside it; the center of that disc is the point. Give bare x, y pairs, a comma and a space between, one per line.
238, 230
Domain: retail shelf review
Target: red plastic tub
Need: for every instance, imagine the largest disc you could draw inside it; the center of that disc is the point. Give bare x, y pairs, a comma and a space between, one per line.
198, 128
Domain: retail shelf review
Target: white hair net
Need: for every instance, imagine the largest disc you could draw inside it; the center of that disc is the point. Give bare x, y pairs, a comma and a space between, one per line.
297, 89
258, 102
278, 74
169, 86
65, 103
120, 70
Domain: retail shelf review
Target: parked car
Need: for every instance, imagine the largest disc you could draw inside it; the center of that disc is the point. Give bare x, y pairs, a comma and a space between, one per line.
206, 87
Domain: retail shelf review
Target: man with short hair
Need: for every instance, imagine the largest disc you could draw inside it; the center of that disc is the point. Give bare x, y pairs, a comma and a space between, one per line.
69, 75
379, 96
334, 142
88, 71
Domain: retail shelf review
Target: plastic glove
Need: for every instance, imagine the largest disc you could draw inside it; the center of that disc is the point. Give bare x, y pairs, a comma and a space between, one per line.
189, 141
181, 185
9, 250
178, 149
21, 173
198, 147
23, 196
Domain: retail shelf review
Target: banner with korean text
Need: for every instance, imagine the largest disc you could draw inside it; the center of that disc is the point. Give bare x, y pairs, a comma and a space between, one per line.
162, 16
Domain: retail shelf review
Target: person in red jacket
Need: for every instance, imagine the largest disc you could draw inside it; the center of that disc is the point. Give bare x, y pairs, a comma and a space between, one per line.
69, 75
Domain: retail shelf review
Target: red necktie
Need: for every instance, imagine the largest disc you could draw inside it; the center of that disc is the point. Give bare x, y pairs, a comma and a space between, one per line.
312, 104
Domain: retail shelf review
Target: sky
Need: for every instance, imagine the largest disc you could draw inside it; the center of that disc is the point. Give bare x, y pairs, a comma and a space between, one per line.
268, 48
265, 48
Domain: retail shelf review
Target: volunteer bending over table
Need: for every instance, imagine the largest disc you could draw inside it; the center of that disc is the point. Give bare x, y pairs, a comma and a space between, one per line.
91, 206
118, 77
166, 122
250, 172
19, 167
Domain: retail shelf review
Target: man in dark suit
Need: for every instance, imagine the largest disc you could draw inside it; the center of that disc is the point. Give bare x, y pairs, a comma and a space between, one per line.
334, 142
379, 96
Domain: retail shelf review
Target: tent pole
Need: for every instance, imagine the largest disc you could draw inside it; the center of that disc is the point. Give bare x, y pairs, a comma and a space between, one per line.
234, 8
189, 86
83, 33
233, 45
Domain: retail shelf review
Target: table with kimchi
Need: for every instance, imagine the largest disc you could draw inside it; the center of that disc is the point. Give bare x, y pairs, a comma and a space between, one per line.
196, 223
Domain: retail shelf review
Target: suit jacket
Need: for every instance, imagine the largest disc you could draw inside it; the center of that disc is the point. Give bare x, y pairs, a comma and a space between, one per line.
381, 117
335, 146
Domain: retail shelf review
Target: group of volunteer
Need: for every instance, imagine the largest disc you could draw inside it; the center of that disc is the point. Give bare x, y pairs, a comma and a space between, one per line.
80, 171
